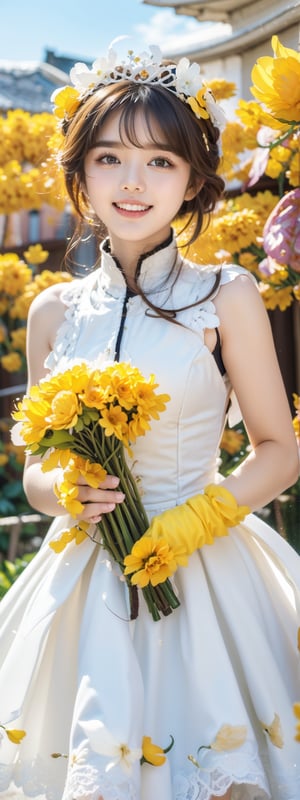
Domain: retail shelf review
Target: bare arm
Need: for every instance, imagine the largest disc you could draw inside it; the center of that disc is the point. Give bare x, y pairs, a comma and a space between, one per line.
45, 317
251, 362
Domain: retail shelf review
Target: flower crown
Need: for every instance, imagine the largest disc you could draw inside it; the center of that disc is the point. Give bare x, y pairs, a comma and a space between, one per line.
184, 79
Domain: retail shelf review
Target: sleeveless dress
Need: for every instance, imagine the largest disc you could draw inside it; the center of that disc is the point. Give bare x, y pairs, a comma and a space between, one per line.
87, 684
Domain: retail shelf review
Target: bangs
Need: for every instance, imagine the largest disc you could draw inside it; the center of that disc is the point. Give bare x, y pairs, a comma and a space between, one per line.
163, 124
159, 119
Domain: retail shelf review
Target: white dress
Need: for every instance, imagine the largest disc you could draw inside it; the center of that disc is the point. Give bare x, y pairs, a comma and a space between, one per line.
84, 681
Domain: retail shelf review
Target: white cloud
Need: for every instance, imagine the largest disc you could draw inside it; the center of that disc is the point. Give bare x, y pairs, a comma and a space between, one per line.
174, 32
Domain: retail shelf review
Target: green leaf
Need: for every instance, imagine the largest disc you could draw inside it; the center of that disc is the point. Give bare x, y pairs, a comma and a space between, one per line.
6, 508
13, 489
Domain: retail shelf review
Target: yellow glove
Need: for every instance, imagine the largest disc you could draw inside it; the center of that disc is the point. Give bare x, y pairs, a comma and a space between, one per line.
199, 520
176, 533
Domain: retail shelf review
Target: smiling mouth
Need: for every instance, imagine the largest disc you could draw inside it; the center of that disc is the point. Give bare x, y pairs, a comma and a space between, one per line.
131, 207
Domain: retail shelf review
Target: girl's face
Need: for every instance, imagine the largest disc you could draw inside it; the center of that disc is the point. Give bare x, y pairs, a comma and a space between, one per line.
135, 191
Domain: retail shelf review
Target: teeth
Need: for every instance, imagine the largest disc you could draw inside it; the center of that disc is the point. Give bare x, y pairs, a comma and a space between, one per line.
131, 207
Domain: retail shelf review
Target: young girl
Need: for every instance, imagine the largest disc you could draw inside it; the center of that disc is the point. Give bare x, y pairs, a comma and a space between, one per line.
214, 682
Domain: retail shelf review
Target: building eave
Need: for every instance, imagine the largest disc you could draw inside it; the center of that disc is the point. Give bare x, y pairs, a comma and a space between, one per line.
243, 39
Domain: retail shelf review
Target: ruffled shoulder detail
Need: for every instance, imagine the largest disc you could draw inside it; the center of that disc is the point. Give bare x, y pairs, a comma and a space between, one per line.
229, 272
198, 282
76, 297
204, 315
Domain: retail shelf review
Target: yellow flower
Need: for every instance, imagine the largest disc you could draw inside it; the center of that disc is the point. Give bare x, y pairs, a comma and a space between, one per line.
272, 298
229, 737
274, 731
66, 494
255, 117
114, 421
138, 426
35, 254
198, 104
296, 401
77, 534
151, 561
15, 736
297, 714
18, 338
296, 426
122, 389
248, 260
32, 413
65, 409
12, 362
93, 395
3, 459
67, 490
93, 473
66, 101
147, 401
221, 88
277, 82
56, 458
232, 441
152, 753
293, 170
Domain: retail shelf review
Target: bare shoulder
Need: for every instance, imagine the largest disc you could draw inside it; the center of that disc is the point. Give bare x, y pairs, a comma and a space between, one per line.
241, 309
48, 310
46, 314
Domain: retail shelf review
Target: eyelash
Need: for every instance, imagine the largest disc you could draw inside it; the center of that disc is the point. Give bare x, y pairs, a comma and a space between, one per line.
164, 162
107, 158
159, 161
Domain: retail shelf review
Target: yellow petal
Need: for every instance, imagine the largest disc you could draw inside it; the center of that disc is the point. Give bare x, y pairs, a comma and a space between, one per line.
229, 737
283, 52
152, 753
15, 735
274, 731
296, 708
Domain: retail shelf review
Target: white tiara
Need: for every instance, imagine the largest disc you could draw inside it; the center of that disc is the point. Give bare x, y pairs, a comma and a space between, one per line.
183, 79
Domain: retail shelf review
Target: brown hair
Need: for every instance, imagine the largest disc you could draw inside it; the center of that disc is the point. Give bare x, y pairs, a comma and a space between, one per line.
195, 140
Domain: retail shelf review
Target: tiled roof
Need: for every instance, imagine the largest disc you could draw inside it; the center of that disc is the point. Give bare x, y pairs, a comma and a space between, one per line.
28, 85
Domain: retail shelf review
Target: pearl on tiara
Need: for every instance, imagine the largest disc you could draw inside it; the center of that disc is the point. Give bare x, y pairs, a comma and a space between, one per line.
184, 79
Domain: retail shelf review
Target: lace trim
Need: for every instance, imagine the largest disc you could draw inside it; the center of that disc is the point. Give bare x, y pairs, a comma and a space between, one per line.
87, 784
30, 780
68, 332
201, 786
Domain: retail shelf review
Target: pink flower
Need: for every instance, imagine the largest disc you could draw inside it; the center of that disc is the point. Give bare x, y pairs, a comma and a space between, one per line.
281, 235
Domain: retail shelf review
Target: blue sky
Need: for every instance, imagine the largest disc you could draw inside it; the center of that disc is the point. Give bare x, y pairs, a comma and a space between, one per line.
85, 29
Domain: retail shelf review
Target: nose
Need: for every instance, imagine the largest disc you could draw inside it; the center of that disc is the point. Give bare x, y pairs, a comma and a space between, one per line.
132, 178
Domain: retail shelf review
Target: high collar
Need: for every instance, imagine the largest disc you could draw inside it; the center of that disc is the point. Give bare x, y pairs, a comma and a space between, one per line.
152, 270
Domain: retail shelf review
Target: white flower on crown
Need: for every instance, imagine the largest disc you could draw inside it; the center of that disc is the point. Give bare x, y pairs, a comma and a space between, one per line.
85, 79
188, 78
104, 70
184, 79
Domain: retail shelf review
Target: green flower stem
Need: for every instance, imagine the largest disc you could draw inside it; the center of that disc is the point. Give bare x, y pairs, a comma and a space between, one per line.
121, 528
133, 499
114, 533
107, 542
152, 607
281, 138
166, 591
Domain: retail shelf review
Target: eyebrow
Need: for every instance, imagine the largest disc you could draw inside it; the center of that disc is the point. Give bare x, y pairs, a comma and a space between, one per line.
118, 143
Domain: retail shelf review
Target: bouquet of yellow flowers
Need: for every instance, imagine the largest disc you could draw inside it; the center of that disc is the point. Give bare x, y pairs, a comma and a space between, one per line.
83, 420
